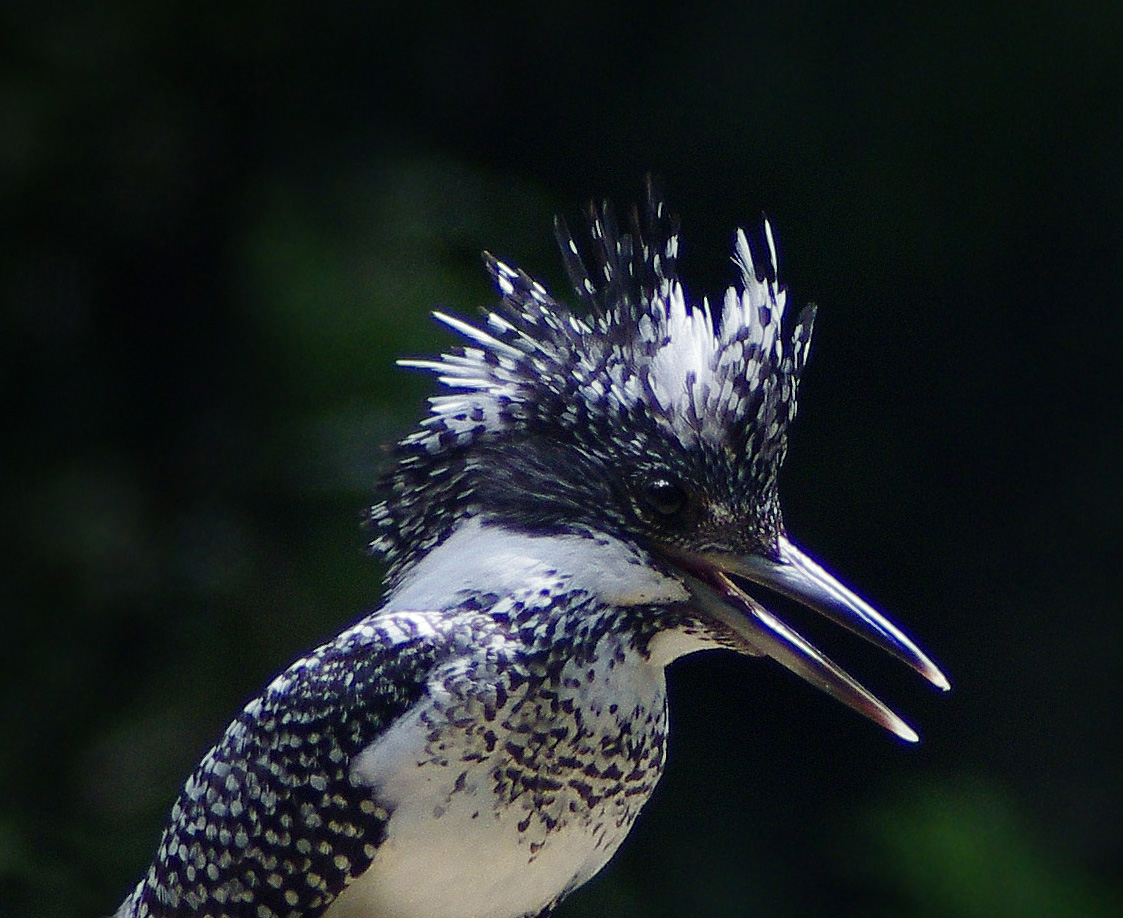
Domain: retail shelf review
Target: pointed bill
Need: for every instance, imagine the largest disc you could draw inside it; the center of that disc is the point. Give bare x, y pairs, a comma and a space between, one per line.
798, 577
712, 579
765, 635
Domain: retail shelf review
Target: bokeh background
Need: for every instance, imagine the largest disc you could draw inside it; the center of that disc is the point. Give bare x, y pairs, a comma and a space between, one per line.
221, 224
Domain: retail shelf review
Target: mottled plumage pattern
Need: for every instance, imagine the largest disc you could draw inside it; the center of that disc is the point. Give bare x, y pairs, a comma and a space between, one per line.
515, 711
270, 822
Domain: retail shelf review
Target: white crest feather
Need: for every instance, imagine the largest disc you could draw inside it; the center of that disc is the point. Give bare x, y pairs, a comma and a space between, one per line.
650, 350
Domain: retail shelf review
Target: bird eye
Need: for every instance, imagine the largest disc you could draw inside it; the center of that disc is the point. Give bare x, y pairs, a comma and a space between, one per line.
664, 495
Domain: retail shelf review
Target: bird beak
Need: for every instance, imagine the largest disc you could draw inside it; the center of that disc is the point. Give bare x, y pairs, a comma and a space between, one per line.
712, 579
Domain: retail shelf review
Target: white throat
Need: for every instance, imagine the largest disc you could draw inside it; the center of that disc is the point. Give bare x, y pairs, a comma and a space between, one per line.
489, 558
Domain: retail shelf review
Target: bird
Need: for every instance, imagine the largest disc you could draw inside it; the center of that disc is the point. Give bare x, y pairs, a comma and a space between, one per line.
592, 495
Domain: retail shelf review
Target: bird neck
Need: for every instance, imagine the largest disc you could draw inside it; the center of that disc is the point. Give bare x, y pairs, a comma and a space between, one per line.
556, 592
486, 557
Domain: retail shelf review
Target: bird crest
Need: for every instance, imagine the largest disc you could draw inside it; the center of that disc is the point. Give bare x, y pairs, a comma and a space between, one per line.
639, 363
641, 346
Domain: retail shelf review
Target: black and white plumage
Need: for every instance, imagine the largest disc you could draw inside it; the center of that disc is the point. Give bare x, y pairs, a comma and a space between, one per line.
595, 497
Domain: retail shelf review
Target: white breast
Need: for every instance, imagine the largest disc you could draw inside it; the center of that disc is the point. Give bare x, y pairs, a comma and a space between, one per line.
466, 839
457, 846
465, 865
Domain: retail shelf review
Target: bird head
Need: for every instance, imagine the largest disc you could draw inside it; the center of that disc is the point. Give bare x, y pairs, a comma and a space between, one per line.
645, 417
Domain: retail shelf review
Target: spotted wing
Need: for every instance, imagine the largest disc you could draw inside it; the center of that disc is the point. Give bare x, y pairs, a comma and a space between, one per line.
270, 823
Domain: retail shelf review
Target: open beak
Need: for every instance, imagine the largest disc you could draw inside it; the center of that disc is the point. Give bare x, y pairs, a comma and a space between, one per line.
712, 579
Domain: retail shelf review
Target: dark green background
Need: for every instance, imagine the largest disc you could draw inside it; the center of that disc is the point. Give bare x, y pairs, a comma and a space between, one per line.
223, 222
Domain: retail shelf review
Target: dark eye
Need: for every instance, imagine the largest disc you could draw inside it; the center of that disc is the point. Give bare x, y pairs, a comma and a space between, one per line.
664, 495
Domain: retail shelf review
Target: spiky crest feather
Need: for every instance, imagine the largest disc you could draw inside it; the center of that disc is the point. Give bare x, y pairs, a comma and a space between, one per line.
642, 354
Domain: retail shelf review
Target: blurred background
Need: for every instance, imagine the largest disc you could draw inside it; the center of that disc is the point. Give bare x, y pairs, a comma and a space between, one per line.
221, 225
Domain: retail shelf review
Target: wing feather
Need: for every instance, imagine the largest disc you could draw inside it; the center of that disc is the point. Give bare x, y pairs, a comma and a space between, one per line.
271, 822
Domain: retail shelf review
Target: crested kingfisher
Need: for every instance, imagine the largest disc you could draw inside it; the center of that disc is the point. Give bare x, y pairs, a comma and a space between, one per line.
592, 497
